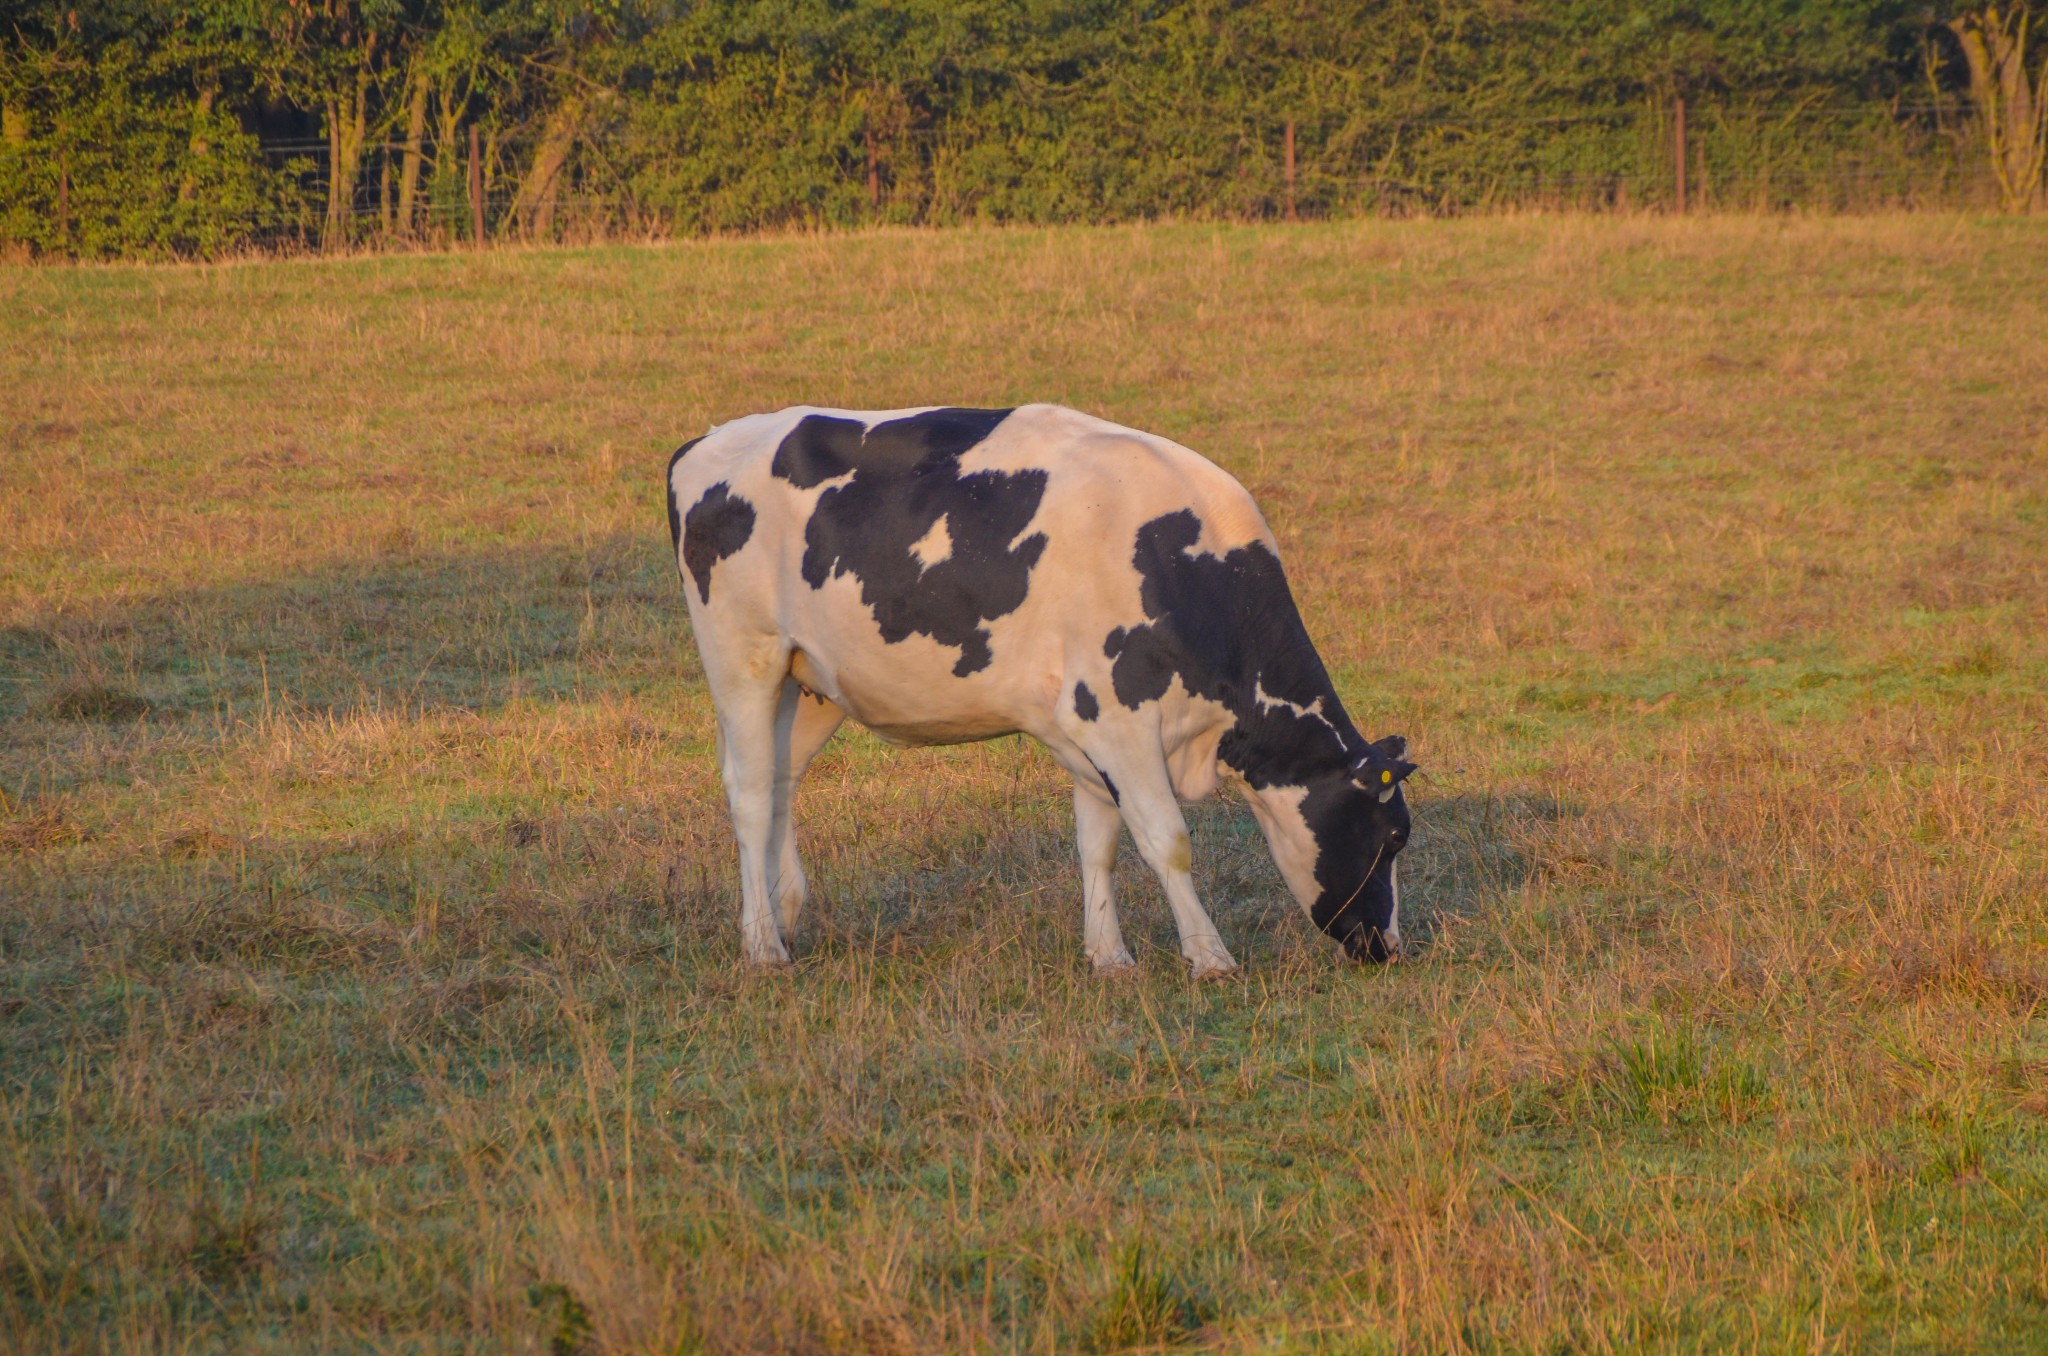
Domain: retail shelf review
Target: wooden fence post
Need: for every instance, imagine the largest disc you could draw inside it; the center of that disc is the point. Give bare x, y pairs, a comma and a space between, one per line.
476, 188
1678, 147
874, 172
63, 198
1291, 215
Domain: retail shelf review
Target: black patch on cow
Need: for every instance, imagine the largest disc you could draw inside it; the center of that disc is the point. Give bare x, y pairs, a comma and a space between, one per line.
716, 526
905, 476
1085, 705
1226, 626
1108, 785
675, 513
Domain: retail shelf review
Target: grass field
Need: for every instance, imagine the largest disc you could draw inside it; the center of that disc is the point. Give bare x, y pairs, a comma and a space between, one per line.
368, 940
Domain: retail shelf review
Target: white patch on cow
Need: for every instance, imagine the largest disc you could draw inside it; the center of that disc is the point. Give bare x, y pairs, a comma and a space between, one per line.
1191, 727
1294, 849
1393, 931
934, 546
1267, 701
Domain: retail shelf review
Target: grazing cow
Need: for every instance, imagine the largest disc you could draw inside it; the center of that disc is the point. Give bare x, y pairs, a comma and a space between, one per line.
943, 575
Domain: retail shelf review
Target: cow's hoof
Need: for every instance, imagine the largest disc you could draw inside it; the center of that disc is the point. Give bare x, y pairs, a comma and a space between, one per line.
1118, 962
1215, 967
768, 956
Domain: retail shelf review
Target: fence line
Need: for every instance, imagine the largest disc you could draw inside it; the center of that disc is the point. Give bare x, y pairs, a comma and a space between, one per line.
628, 138
637, 181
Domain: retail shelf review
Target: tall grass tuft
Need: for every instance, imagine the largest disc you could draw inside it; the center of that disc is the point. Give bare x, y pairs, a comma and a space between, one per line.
1146, 1306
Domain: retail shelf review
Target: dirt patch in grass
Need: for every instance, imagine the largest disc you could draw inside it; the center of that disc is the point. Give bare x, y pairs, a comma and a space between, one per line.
96, 701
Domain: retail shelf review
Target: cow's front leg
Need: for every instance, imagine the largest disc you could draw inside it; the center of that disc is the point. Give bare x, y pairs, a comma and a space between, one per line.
1153, 815
747, 764
1096, 825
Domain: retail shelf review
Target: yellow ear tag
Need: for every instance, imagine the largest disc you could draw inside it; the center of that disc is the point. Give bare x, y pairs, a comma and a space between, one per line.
1386, 776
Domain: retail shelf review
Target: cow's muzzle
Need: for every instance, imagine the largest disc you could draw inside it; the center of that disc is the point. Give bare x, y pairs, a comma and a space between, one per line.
1366, 944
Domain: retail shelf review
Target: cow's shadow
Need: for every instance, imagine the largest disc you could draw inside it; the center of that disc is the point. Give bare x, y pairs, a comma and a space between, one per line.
410, 629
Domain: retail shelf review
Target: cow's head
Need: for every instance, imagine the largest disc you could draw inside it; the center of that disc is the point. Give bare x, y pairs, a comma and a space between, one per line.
1360, 823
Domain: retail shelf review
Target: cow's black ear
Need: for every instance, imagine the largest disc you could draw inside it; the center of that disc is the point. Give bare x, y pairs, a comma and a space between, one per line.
1381, 768
1400, 771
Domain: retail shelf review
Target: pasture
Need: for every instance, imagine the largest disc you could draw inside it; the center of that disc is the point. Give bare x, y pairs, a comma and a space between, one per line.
368, 951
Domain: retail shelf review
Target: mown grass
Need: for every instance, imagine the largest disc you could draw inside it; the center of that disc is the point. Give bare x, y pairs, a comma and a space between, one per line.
368, 957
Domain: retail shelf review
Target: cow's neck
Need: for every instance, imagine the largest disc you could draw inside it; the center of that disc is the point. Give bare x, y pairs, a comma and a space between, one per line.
1291, 736
1289, 728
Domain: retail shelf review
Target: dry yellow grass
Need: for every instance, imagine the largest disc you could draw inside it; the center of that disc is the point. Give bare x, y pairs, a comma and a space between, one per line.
368, 959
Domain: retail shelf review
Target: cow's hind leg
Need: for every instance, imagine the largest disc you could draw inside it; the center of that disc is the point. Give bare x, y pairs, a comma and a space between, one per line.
803, 722
1152, 813
747, 690
1096, 825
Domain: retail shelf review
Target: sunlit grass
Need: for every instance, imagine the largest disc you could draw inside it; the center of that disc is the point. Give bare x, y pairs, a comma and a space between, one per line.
368, 945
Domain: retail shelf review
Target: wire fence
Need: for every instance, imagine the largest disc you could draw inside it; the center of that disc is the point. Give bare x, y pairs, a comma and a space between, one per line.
649, 180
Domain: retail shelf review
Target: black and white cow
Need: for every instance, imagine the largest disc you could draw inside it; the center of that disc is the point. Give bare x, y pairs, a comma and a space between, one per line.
943, 575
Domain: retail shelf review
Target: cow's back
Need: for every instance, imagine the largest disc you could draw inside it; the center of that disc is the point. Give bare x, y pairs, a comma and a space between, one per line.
943, 574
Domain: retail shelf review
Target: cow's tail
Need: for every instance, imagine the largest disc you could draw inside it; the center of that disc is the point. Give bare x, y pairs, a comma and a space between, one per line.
675, 510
